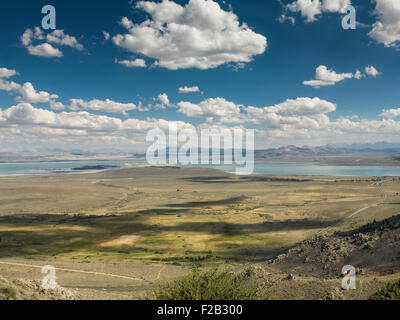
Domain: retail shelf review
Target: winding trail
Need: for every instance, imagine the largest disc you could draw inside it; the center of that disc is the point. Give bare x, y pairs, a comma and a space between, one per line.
79, 271
384, 196
159, 272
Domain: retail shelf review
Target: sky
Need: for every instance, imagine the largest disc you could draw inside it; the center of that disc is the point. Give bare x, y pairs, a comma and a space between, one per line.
113, 70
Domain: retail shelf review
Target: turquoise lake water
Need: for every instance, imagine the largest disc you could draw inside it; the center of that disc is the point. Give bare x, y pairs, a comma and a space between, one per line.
57, 167
281, 168
305, 168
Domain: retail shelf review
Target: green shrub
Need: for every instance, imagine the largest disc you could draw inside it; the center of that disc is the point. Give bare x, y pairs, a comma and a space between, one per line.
390, 292
7, 293
209, 285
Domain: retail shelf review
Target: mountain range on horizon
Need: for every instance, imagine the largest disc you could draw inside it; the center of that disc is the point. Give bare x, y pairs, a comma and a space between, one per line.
382, 146
383, 153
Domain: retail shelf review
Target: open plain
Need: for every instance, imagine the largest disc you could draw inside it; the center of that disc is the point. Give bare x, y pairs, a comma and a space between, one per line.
114, 234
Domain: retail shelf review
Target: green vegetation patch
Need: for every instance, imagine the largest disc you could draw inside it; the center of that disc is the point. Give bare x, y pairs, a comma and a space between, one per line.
354, 226
7, 293
390, 292
213, 284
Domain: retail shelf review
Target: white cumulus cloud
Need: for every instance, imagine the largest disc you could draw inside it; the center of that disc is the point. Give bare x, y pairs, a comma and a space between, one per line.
46, 49
371, 71
27, 92
25, 114
106, 35
312, 9
198, 35
390, 113
137, 63
163, 98
213, 110
61, 38
7, 73
327, 77
186, 89
107, 105
386, 29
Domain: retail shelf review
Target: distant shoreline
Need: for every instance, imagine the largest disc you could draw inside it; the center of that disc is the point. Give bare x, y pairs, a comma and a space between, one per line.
270, 168
394, 164
323, 164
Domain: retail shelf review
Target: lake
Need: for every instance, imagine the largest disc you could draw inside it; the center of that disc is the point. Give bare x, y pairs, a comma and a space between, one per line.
280, 168
306, 168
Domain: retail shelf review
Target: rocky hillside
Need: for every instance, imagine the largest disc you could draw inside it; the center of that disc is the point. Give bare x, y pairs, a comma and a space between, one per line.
374, 247
32, 290
312, 269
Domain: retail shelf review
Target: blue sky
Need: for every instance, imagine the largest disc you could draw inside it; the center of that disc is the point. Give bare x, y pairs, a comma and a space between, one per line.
249, 59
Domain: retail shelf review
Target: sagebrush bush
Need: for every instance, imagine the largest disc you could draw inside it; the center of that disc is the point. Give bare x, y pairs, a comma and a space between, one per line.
7, 293
213, 284
390, 292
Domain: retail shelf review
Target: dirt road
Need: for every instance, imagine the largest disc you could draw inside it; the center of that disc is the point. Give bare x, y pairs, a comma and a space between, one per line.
94, 280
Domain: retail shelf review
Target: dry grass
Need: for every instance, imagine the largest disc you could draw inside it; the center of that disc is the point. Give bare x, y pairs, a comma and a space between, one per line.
175, 215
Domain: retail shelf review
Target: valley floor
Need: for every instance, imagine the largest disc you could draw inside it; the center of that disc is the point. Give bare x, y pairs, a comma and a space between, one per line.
114, 234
